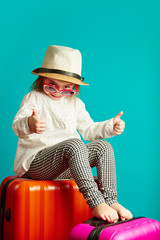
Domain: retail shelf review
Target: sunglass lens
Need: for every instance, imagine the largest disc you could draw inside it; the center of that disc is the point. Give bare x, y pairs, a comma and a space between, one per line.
50, 89
68, 93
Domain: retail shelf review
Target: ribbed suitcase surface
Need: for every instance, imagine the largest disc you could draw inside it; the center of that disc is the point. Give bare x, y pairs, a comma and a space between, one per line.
135, 229
42, 210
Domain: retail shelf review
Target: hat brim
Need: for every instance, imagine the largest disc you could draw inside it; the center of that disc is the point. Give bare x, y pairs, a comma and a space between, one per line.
60, 77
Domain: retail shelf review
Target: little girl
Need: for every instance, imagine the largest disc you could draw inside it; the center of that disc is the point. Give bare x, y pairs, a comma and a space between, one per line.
50, 146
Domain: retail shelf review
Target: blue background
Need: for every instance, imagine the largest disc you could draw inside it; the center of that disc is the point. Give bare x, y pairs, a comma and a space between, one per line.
120, 45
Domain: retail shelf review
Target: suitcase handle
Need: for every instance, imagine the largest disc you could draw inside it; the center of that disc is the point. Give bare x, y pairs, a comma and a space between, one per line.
95, 221
101, 224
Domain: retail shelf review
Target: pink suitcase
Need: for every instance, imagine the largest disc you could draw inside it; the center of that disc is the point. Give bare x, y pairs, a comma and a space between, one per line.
134, 229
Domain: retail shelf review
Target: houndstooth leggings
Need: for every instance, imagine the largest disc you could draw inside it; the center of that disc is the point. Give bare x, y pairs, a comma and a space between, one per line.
74, 159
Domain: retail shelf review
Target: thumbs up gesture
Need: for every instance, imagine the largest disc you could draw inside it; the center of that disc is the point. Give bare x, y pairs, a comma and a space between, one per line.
118, 124
36, 124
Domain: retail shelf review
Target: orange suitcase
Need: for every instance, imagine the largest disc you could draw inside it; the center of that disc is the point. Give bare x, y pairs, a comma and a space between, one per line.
40, 210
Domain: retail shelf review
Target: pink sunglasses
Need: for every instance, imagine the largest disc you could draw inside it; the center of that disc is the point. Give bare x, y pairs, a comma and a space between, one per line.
65, 92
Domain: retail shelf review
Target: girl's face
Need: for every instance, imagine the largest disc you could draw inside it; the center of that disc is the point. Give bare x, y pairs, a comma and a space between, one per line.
58, 84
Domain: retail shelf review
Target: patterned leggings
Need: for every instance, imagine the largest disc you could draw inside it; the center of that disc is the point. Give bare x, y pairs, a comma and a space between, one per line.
74, 159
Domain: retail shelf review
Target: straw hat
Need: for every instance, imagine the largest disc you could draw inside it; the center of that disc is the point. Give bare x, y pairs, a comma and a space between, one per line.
62, 63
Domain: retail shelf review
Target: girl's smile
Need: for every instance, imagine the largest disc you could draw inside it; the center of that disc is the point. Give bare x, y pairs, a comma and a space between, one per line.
54, 96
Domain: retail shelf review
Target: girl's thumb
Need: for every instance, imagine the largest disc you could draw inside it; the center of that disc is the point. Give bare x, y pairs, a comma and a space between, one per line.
34, 113
120, 114
117, 117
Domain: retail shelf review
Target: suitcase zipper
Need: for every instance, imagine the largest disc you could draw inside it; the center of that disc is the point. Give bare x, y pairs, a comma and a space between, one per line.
96, 232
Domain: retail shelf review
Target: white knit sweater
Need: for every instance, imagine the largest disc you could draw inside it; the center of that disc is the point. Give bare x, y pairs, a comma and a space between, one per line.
63, 118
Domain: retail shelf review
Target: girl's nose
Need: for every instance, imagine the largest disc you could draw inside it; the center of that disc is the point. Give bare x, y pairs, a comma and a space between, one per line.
60, 88
58, 94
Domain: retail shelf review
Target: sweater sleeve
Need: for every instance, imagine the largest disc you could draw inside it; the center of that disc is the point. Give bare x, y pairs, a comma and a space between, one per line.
20, 122
91, 130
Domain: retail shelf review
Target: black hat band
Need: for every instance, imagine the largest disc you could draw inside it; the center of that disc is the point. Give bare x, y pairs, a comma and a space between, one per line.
70, 74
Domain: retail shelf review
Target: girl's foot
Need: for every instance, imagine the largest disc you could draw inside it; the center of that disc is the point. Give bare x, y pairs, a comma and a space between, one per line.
122, 212
105, 212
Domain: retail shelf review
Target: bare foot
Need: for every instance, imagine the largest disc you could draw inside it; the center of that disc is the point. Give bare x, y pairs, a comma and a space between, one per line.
122, 212
105, 212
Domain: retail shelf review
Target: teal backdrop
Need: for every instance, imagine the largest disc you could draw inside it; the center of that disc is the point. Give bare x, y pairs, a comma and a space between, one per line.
120, 45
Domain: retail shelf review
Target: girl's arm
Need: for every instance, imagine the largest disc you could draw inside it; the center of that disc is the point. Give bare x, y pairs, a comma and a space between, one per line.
91, 130
20, 123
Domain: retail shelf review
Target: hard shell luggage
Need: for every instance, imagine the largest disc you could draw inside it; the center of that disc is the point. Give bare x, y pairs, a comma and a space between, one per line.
134, 229
40, 210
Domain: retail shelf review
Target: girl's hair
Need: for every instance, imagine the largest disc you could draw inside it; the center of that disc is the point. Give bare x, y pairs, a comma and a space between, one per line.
38, 85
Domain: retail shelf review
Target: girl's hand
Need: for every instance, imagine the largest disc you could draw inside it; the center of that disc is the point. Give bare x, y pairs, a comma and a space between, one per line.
36, 124
118, 124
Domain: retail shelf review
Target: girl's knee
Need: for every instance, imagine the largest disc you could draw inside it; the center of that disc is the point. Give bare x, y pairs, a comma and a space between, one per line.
76, 145
103, 146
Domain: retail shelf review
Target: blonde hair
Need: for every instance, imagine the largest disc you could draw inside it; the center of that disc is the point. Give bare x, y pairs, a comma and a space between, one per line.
38, 85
